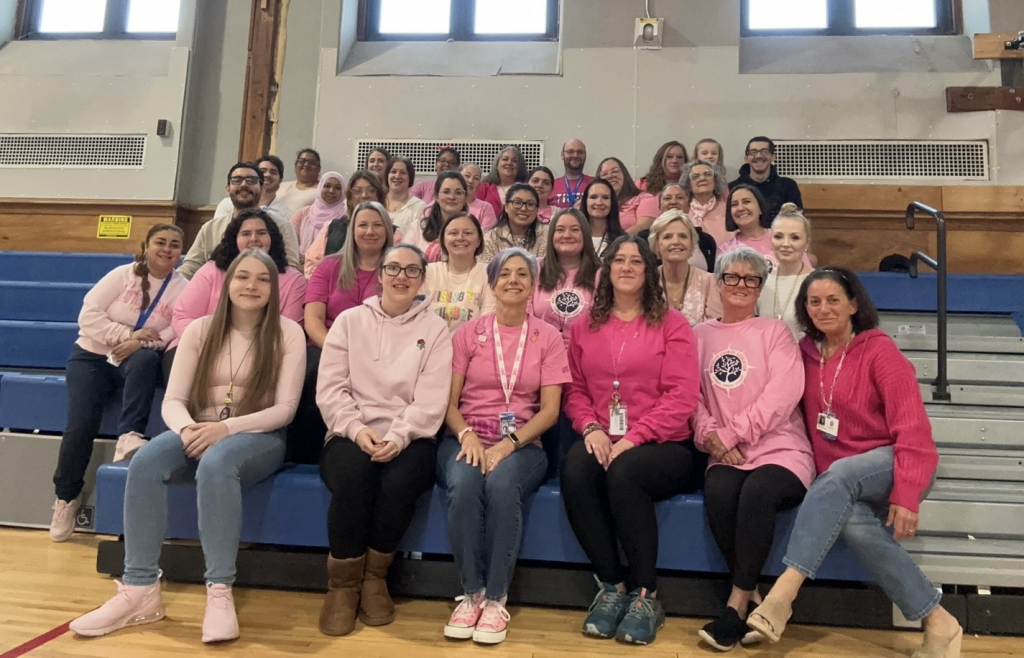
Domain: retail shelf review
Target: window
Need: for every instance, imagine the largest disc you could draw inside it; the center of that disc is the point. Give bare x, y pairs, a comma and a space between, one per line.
459, 20
847, 17
101, 19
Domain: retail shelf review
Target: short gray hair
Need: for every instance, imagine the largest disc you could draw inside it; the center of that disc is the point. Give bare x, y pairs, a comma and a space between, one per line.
662, 222
756, 261
496, 264
664, 190
721, 184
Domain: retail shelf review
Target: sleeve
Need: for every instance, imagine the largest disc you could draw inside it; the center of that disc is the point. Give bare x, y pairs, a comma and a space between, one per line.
192, 303
291, 242
554, 359
794, 195
578, 405
291, 374
916, 457
648, 207
704, 422
174, 290
293, 296
430, 395
316, 251
334, 383
93, 319
712, 299
488, 193
174, 408
677, 391
488, 303
461, 348
297, 218
781, 395
488, 219
199, 253
491, 247
319, 287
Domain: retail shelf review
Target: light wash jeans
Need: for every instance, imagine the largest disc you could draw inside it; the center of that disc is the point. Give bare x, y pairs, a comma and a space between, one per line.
485, 514
851, 499
240, 460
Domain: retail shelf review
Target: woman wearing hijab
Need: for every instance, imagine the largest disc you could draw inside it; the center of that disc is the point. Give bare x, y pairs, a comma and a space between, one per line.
328, 206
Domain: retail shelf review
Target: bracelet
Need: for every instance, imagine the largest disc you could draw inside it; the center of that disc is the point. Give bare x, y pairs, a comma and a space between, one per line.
591, 427
463, 432
511, 436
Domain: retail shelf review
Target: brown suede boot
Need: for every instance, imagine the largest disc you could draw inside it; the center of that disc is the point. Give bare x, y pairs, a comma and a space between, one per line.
375, 605
338, 616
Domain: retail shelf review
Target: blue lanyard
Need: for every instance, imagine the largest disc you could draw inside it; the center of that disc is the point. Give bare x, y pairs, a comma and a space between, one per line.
144, 314
571, 193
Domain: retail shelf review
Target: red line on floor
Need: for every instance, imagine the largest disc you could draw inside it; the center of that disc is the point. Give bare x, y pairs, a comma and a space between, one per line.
37, 642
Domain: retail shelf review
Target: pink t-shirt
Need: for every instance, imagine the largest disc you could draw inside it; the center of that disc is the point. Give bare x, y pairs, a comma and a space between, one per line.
762, 245
423, 190
752, 381
544, 364
323, 288
563, 306
566, 193
642, 205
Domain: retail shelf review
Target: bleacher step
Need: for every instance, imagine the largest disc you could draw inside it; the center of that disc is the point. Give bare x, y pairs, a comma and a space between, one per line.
958, 324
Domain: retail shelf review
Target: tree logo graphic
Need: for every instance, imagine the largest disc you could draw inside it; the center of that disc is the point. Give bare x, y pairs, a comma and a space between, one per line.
728, 369
567, 303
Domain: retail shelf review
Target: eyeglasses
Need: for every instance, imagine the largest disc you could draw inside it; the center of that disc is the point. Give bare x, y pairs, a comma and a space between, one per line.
238, 180
697, 175
447, 162
571, 152
304, 161
759, 151
411, 271
749, 281
453, 193
519, 204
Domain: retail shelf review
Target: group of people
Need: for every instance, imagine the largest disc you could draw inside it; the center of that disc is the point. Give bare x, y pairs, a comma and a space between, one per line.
663, 354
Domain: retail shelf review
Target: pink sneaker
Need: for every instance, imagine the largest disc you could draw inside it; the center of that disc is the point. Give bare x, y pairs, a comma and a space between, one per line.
491, 628
462, 622
62, 523
127, 445
133, 605
219, 623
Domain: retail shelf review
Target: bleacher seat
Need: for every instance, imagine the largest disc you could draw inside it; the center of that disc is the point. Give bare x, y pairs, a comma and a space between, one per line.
49, 266
26, 344
41, 301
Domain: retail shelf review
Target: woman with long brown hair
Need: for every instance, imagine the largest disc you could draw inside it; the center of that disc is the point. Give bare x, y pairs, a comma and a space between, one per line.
363, 186
667, 167
236, 387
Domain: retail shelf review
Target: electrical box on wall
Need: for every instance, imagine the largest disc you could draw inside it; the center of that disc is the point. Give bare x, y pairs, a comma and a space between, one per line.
648, 33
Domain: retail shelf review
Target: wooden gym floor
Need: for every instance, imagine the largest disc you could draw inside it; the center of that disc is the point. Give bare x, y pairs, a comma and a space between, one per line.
44, 585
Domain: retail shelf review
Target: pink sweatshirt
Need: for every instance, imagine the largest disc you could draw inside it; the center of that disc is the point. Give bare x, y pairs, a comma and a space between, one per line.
762, 245
392, 375
657, 371
423, 190
111, 309
752, 381
878, 403
564, 306
642, 205
200, 297
289, 380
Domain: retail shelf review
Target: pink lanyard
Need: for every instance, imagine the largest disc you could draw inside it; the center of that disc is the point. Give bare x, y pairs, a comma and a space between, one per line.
508, 385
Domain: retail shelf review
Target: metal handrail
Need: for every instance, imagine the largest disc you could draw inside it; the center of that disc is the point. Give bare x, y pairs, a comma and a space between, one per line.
941, 391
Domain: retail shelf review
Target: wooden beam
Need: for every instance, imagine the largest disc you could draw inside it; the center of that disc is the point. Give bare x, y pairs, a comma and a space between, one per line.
993, 46
981, 99
260, 87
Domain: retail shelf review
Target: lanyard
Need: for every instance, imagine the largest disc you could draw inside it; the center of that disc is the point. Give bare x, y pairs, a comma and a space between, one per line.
507, 385
835, 378
144, 314
572, 192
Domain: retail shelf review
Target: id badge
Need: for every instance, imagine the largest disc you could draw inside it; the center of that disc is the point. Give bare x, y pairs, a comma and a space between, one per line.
617, 424
506, 423
112, 360
828, 425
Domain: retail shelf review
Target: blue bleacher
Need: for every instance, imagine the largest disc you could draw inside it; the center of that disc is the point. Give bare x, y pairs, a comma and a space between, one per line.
48, 266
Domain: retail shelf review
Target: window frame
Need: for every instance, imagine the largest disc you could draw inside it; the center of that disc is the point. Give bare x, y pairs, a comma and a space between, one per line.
461, 20
115, 25
842, 22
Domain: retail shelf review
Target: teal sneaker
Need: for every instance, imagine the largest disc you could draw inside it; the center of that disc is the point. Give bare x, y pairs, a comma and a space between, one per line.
643, 619
606, 612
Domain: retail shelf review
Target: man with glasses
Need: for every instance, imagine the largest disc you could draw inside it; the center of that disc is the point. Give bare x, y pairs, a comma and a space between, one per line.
759, 171
270, 200
569, 187
245, 190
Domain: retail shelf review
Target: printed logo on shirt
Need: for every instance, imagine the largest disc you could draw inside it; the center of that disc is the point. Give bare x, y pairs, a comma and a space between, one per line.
728, 369
567, 303
133, 298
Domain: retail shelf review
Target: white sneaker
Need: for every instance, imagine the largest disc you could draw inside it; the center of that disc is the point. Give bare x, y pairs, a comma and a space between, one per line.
133, 605
220, 623
127, 445
62, 524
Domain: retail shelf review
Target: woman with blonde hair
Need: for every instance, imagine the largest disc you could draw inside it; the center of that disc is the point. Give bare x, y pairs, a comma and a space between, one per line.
791, 238
688, 289
235, 388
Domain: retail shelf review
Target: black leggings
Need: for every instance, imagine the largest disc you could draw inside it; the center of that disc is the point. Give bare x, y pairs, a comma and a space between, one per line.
741, 507
307, 430
372, 504
606, 508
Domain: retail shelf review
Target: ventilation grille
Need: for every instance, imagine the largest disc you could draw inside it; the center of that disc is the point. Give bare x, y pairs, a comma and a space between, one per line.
897, 160
93, 151
423, 153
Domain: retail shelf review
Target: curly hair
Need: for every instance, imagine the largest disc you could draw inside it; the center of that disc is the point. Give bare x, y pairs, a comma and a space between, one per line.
652, 298
655, 176
227, 250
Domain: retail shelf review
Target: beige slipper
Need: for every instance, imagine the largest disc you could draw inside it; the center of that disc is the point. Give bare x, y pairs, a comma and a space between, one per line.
940, 647
769, 619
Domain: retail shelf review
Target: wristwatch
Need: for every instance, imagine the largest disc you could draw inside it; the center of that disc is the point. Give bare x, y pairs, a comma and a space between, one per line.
514, 439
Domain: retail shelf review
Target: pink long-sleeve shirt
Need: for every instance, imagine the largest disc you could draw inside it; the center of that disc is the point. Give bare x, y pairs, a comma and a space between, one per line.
278, 414
657, 371
202, 293
391, 374
878, 403
752, 381
111, 309
642, 205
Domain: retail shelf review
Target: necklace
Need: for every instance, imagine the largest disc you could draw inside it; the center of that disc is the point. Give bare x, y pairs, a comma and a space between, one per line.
229, 397
682, 296
781, 310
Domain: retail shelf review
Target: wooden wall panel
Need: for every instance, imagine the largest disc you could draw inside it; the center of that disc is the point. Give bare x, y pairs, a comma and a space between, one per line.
983, 199
49, 225
868, 197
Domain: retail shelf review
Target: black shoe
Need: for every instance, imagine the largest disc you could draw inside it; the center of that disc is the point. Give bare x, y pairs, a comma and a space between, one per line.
725, 632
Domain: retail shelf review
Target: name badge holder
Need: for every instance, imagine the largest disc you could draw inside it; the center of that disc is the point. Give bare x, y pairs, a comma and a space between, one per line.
828, 422
828, 425
507, 419
618, 424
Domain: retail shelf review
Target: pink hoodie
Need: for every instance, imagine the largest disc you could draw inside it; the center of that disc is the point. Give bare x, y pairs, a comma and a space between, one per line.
403, 369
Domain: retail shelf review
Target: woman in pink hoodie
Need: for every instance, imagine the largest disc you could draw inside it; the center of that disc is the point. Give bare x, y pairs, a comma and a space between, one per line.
383, 390
124, 324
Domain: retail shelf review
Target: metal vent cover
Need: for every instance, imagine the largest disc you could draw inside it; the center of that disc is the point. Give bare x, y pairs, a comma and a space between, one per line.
884, 159
68, 151
423, 153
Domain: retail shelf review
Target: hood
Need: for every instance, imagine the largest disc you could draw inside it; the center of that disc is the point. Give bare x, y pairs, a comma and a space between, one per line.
810, 348
418, 308
745, 175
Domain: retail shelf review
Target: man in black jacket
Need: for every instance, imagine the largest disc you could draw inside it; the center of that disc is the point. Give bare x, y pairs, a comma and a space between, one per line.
760, 172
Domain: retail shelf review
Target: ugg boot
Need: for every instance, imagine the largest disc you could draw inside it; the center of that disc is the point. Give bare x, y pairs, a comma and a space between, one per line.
338, 616
375, 605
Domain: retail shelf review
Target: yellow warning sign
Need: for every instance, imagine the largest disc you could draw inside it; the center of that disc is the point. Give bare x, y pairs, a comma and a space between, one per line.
117, 227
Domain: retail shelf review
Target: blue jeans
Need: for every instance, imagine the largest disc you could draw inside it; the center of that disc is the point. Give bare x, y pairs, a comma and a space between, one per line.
485, 514
240, 460
90, 382
851, 499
